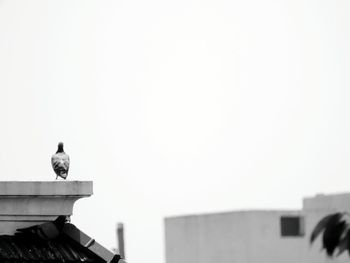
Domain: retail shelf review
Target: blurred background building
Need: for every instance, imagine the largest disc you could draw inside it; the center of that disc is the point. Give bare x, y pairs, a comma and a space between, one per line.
252, 236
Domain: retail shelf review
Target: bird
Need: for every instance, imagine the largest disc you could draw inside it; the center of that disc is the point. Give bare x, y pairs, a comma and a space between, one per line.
336, 233
60, 162
46, 231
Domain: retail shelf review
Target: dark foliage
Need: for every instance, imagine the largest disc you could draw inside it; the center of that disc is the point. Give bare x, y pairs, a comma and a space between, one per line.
336, 235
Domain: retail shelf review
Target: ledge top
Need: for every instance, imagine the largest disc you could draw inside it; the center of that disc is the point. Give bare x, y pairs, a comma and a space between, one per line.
45, 188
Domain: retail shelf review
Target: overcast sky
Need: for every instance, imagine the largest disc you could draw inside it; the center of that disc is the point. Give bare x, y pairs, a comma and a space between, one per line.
176, 107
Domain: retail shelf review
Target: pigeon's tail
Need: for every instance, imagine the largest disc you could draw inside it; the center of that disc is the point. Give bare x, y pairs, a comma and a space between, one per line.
61, 172
63, 175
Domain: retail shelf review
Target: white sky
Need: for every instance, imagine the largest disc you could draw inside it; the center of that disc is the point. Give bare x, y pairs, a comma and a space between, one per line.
175, 107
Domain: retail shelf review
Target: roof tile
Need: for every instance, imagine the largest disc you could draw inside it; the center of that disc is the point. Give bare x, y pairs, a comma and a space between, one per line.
29, 250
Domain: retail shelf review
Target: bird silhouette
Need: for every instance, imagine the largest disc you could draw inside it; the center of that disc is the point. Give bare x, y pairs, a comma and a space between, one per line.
60, 162
45, 231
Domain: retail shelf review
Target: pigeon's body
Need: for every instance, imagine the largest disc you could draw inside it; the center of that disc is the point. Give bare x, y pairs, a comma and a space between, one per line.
60, 162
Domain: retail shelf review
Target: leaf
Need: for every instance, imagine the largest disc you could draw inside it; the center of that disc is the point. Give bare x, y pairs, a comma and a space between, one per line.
321, 226
343, 243
333, 232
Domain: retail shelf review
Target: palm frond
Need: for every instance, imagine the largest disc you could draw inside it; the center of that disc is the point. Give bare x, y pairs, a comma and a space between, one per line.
336, 235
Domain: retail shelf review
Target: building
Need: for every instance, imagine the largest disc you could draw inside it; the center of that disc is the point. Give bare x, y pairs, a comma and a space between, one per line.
256, 236
33, 206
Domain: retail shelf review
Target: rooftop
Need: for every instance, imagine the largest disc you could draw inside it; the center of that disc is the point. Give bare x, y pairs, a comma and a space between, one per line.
30, 231
61, 250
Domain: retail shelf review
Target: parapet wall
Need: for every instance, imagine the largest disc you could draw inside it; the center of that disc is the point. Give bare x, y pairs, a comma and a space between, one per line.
332, 202
23, 204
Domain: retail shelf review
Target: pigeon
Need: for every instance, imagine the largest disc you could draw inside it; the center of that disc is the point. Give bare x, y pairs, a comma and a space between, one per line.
60, 162
46, 231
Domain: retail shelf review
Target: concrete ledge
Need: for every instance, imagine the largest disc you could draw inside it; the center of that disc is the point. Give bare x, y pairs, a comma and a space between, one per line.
32, 188
28, 203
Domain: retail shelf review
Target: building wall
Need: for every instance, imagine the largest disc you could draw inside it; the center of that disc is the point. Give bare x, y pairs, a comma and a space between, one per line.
245, 237
207, 238
334, 202
266, 241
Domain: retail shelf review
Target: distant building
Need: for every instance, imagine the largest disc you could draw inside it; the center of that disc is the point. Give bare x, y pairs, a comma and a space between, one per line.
31, 204
265, 236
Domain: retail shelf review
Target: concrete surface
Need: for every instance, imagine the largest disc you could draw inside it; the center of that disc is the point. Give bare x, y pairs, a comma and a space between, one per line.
23, 204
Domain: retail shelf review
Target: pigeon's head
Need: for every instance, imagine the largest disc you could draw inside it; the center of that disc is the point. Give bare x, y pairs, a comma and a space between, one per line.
60, 147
